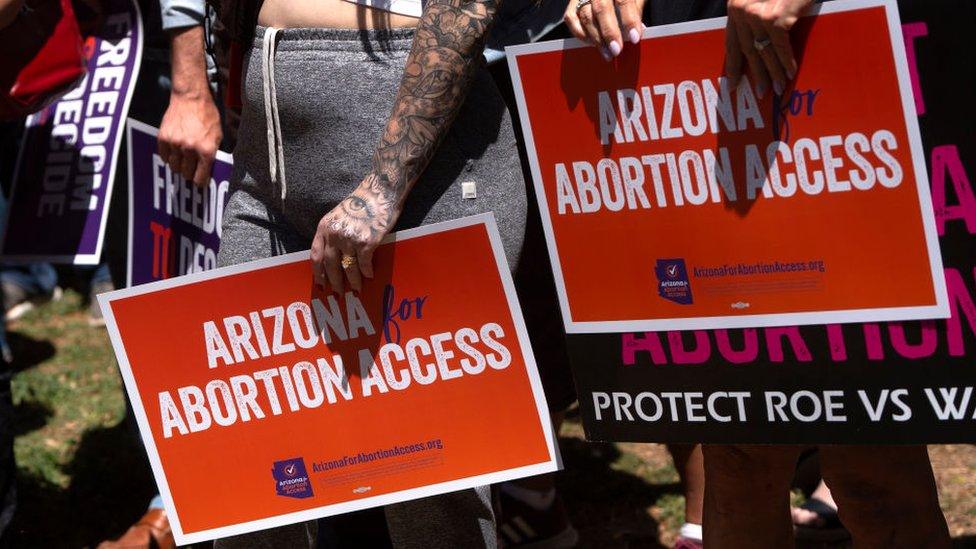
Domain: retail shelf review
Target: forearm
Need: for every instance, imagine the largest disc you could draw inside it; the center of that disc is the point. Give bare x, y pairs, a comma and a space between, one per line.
446, 51
190, 133
189, 63
439, 69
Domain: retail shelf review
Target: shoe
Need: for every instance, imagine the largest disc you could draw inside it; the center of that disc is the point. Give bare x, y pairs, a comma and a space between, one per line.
687, 543
95, 318
523, 526
828, 529
18, 302
151, 532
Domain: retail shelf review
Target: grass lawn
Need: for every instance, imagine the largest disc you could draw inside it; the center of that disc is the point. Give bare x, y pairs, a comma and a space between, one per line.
83, 476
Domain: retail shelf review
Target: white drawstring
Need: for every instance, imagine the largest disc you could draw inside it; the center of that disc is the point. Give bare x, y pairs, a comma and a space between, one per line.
276, 153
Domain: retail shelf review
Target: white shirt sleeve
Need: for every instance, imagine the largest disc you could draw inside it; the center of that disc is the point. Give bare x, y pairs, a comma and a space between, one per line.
182, 13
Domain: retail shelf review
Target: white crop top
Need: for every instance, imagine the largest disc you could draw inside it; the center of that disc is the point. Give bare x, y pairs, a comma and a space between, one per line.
411, 8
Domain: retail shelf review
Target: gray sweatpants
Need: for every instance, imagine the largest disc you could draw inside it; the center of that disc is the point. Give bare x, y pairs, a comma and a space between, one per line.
334, 93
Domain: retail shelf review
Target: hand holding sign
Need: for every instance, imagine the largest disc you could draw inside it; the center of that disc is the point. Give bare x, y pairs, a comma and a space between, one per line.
271, 403
759, 31
595, 22
639, 147
346, 236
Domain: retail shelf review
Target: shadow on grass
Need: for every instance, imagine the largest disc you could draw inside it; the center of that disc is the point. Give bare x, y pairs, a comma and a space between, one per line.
964, 542
110, 488
27, 351
29, 416
608, 506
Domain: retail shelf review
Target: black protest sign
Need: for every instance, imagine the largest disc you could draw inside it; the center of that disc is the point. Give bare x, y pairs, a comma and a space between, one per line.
897, 382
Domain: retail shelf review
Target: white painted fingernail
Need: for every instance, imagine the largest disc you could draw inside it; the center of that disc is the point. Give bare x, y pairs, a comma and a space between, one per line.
634, 36
605, 53
615, 48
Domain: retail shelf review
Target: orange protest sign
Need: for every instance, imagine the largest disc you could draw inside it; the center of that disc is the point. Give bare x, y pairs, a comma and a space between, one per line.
263, 400
673, 200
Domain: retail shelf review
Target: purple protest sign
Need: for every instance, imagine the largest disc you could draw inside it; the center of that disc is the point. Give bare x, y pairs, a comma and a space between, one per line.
174, 227
63, 182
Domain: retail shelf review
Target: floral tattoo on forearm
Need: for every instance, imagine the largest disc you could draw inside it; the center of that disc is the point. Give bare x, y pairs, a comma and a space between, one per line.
439, 68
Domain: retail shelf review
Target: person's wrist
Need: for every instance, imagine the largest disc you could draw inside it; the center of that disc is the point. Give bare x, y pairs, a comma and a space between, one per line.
382, 187
382, 212
189, 94
379, 207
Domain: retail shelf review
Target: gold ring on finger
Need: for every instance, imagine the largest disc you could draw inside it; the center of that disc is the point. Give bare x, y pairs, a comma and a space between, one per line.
760, 43
348, 261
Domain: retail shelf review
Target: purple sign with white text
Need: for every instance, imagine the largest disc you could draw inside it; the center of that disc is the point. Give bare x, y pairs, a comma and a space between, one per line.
63, 183
174, 226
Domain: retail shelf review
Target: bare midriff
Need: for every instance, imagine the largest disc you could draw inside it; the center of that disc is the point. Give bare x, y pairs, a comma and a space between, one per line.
336, 14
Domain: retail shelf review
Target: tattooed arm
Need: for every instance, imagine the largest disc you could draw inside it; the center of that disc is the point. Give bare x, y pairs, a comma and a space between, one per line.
446, 49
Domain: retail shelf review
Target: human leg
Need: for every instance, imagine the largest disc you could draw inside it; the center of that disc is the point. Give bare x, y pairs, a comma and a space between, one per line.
251, 231
292, 536
315, 183
689, 462
886, 495
27, 286
456, 519
747, 495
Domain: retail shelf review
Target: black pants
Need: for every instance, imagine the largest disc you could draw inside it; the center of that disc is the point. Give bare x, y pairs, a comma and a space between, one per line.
8, 469
9, 134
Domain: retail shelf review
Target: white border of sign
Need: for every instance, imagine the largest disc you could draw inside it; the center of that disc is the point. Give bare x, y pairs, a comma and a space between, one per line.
134, 125
554, 462
939, 310
94, 258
